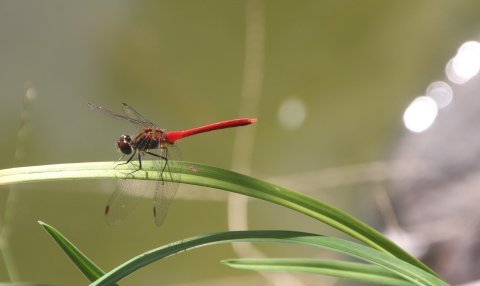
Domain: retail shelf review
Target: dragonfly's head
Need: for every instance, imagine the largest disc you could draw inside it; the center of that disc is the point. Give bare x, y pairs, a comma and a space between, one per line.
124, 144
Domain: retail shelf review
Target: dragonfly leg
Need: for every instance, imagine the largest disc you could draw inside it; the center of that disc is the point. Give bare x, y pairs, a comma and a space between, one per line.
156, 155
130, 160
139, 155
139, 161
117, 162
162, 157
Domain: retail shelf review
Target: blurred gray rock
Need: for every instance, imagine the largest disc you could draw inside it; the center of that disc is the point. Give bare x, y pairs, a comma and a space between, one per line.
441, 208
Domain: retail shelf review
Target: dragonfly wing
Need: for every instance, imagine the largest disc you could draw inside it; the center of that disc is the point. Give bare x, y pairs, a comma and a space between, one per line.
161, 204
114, 115
167, 187
135, 116
124, 199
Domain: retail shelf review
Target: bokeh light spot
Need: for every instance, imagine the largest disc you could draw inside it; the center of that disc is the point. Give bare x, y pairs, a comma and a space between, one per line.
292, 113
420, 114
465, 64
441, 92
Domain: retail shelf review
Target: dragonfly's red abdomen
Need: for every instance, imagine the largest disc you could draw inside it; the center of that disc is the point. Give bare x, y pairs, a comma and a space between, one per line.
173, 136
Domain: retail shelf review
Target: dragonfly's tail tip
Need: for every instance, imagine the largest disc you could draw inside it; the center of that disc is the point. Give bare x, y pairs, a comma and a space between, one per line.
253, 120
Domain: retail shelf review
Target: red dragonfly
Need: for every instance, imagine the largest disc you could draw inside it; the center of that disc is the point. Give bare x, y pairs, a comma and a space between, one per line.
159, 145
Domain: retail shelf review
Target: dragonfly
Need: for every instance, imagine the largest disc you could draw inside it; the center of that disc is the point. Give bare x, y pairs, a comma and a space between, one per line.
159, 145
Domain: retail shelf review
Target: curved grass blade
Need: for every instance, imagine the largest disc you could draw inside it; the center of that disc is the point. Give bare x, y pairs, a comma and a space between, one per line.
89, 269
341, 269
202, 175
401, 268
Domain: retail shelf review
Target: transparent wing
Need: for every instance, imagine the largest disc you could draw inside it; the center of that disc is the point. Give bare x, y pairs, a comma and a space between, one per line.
125, 198
134, 115
167, 188
109, 113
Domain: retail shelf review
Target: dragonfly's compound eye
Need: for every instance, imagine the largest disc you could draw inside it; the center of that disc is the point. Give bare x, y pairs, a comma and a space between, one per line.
124, 144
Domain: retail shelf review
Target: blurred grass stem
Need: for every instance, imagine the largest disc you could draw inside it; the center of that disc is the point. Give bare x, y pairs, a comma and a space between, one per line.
12, 198
251, 93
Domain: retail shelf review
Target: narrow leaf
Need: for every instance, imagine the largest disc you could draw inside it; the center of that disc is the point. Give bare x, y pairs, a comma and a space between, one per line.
89, 269
401, 268
207, 176
341, 269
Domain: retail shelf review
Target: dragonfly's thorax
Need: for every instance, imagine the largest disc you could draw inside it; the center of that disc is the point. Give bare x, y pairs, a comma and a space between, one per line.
148, 139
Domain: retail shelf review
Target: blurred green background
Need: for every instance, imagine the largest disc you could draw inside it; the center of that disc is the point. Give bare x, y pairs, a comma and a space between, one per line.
340, 72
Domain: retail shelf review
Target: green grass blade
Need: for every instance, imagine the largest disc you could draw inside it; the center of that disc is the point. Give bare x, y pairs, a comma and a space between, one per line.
401, 268
202, 175
341, 269
89, 269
